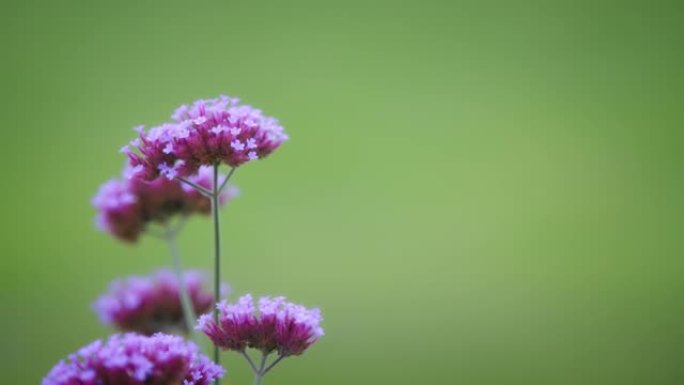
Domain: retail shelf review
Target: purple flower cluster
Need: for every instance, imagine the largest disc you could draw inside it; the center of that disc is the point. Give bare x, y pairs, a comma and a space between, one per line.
272, 325
126, 206
206, 133
131, 359
172, 172
152, 304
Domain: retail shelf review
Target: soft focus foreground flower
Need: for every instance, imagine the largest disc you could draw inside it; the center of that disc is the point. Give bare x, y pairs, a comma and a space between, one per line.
152, 304
132, 359
126, 206
208, 132
273, 324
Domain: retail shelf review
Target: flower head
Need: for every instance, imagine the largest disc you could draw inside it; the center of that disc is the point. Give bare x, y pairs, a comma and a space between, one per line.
206, 133
271, 324
132, 359
152, 304
126, 206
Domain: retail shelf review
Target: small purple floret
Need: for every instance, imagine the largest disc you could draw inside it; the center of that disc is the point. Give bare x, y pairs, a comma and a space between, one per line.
206, 133
132, 359
272, 325
151, 304
126, 206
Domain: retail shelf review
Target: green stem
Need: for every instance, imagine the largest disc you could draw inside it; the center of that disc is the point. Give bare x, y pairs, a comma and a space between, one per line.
250, 362
186, 303
214, 196
259, 374
197, 187
225, 181
257, 379
273, 364
217, 255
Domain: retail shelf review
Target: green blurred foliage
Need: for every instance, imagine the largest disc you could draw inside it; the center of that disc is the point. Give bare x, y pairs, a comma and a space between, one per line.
476, 192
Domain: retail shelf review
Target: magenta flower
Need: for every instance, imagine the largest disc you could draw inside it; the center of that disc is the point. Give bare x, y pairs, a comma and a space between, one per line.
207, 133
152, 304
273, 325
127, 206
131, 359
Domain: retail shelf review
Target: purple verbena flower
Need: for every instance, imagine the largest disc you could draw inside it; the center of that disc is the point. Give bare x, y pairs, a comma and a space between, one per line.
126, 206
150, 304
206, 133
271, 325
132, 359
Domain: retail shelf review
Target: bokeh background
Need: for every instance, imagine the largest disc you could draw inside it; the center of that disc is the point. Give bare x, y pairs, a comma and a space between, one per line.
476, 192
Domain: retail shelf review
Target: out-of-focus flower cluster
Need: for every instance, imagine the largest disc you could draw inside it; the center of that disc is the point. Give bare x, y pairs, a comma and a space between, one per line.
150, 304
206, 133
132, 359
274, 324
125, 207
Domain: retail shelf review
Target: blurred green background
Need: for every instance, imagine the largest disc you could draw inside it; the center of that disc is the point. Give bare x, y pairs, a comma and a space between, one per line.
476, 192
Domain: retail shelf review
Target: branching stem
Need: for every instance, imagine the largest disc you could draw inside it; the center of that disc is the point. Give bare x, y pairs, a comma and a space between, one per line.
261, 371
197, 187
214, 195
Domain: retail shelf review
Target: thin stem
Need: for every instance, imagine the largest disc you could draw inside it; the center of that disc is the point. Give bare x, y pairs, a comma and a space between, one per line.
259, 374
197, 187
217, 255
186, 303
225, 181
251, 363
274, 363
263, 362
